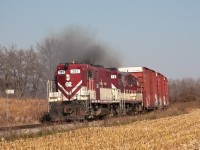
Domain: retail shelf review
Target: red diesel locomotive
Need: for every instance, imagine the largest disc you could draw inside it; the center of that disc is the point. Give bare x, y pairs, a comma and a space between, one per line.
84, 91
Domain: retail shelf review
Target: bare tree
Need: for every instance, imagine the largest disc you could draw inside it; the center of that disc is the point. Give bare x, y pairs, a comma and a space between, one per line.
186, 89
48, 56
34, 72
22, 71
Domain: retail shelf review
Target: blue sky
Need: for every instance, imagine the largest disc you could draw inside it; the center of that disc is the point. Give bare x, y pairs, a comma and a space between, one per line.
162, 35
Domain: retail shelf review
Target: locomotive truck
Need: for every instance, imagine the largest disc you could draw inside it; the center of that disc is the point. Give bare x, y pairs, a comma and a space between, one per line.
84, 91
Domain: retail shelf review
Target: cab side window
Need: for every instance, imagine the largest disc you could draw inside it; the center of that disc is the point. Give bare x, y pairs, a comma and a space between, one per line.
90, 74
132, 81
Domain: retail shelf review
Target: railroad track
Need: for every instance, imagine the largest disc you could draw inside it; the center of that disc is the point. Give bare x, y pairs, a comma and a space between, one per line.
36, 126
20, 127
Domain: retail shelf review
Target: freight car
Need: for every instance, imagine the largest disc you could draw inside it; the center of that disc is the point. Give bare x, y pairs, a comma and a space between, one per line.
84, 91
154, 86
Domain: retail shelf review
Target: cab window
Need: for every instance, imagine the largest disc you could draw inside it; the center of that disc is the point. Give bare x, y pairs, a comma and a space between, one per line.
90, 74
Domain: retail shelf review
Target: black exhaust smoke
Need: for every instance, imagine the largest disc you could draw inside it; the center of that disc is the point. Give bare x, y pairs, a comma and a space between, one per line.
77, 44
81, 45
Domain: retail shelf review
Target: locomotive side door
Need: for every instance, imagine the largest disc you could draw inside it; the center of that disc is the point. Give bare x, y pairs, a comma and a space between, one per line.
91, 83
96, 84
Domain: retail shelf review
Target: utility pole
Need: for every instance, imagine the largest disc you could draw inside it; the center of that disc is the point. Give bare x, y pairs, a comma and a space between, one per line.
7, 111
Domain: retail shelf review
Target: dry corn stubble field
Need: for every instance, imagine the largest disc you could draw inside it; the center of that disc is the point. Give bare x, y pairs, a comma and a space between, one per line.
177, 132
22, 111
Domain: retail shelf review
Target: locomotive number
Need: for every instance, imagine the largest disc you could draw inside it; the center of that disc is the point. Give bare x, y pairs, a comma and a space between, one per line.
61, 72
113, 76
75, 71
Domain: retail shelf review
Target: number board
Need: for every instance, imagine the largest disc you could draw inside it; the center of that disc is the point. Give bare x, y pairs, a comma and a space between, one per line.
61, 72
113, 76
75, 71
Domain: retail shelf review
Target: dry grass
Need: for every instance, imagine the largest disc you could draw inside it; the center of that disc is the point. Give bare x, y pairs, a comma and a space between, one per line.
22, 111
177, 132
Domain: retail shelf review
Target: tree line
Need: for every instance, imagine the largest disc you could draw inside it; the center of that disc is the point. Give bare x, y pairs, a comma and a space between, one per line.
21, 70
182, 90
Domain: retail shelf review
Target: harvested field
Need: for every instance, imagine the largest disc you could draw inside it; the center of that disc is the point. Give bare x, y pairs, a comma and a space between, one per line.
176, 132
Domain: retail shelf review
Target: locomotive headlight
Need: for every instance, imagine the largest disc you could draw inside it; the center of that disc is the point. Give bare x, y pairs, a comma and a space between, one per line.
67, 77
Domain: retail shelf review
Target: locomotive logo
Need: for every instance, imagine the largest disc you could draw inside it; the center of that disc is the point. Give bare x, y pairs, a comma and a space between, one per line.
68, 84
